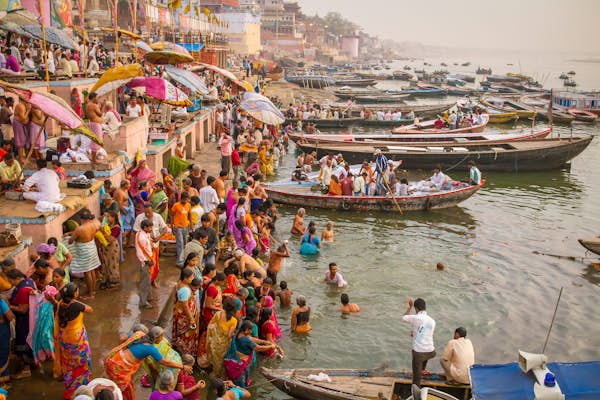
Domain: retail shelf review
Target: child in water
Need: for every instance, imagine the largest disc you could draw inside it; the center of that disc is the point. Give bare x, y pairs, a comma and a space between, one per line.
348, 307
284, 294
327, 235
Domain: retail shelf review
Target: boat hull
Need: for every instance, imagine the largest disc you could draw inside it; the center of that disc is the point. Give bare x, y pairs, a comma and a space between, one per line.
503, 118
581, 115
591, 244
529, 157
328, 123
355, 384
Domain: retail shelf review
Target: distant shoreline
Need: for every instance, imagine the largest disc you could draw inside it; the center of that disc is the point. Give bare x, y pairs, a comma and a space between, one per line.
586, 60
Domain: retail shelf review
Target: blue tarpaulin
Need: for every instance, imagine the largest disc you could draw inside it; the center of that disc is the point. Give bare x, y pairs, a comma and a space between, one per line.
578, 381
192, 46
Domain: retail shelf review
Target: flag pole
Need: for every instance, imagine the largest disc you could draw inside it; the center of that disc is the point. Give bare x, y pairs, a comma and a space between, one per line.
44, 46
116, 34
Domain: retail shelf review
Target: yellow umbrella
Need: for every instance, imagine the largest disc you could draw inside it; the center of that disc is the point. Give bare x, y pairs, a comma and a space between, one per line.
169, 46
123, 32
244, 85
116, 77
168, 57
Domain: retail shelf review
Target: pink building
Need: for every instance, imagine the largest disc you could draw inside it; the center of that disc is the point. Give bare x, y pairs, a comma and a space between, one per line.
350, 46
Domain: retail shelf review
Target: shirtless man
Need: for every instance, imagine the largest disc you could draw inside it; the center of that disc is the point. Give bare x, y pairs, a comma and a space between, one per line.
327, 235
257, 195
275, 259
36, 131
121, 196
93, 112
20, 128
348, 307
246, 262
298, 225
85, 254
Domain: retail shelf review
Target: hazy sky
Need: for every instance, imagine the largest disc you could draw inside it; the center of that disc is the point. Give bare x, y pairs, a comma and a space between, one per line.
547, 25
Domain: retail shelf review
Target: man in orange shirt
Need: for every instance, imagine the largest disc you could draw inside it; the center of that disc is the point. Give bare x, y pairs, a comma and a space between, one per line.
181, 223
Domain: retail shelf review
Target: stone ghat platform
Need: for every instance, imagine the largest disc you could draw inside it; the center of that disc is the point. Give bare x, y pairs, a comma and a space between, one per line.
40, 226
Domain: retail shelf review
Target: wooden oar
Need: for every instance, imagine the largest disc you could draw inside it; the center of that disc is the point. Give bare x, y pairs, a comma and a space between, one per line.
392, 194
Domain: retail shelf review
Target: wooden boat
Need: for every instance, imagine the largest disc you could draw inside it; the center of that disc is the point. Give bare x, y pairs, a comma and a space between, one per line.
356, 82
428, 127
389, 124
328, 123
519, 156
424, 111
402, 75
498, 117
582, 115
391, 139
346, 93
563, 76
592, 244
380, 98
311, 81
569, 83
354, 384
582, 101
507, 104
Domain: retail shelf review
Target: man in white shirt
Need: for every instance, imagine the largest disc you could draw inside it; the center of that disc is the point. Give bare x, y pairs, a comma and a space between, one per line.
360, 186
458, 356
334, 277
440, 180
423, 327
158, 223
208, 196
46, 182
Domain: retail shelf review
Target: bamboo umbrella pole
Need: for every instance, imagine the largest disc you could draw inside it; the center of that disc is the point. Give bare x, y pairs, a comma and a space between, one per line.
116, 34
84, 35
44, 47
135, 26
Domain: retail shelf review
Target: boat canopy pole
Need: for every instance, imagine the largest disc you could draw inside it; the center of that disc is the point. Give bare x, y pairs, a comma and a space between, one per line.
553, 317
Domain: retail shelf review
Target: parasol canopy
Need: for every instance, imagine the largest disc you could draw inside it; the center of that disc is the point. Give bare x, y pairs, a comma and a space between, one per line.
21, 17
187, 78
122, 32
53, 35
247, 86
54, 107
227, 74
116, 77
169, 46
261, 108
167, 57
140, 44
14, 28
161, 90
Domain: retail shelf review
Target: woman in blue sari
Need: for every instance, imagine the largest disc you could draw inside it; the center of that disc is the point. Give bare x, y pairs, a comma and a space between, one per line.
238, 358
310, 244
5, 317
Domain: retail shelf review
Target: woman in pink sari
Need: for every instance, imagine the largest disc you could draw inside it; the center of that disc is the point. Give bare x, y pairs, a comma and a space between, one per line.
268, 302
139, 174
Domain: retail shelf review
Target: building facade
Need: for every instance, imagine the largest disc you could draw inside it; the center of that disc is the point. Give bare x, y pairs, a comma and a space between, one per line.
243, 32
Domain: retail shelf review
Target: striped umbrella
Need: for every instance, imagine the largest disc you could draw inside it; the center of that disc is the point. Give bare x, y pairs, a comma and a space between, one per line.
187, 79
261, 108
116, 77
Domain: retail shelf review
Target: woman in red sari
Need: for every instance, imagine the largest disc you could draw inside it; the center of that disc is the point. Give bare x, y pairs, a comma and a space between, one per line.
212, 299
76, 102
186, 314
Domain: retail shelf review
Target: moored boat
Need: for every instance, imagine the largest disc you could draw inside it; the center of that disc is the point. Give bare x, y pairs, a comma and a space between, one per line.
428, 127
591, 244
328, 123
582, 101
385, 123
355, 384
582, 115
391, 139
507, 104
380, 98
518, 156
541, 106
424, 111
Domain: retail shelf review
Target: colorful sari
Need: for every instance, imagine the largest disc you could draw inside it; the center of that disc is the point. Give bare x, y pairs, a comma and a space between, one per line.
236, 367
160, 204
20, 296
270, 303
110, 255
215, 293
41, 338
4, 344
73, 354
120, 368
154, 369
184, 338
233, 285
218, 342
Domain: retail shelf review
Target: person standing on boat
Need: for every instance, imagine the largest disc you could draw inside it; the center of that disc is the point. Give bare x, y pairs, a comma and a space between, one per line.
474, 174
458, 356
423, 327
381, 166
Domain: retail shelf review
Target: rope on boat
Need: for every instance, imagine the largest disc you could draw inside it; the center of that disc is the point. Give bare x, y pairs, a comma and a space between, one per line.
457, 164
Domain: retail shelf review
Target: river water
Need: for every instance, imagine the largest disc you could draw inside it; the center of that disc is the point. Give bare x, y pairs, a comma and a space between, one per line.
495, 284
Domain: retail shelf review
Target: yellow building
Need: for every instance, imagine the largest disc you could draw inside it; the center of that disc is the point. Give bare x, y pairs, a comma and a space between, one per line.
243, 31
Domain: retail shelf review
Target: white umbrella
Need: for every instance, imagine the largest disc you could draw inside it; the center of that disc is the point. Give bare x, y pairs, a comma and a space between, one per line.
262, 109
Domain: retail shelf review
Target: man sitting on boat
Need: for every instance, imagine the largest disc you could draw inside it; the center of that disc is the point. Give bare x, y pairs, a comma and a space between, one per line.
439, 123
298, 175
439, 180
458, 356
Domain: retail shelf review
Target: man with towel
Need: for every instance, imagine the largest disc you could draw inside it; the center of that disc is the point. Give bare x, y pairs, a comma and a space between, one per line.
93, 112
85, 253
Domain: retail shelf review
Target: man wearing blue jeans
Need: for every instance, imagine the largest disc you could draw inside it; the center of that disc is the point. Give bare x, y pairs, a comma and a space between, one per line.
181, 224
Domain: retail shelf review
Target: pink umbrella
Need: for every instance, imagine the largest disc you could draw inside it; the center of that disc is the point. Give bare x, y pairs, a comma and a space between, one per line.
161, 90
54, 107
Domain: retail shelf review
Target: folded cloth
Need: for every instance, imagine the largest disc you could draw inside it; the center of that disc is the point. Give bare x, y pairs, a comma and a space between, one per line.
322, 377
48, 207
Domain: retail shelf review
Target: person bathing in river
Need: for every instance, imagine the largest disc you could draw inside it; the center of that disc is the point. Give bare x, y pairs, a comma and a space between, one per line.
298, 224
327, 235
334, 277
300, 316
348, 307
